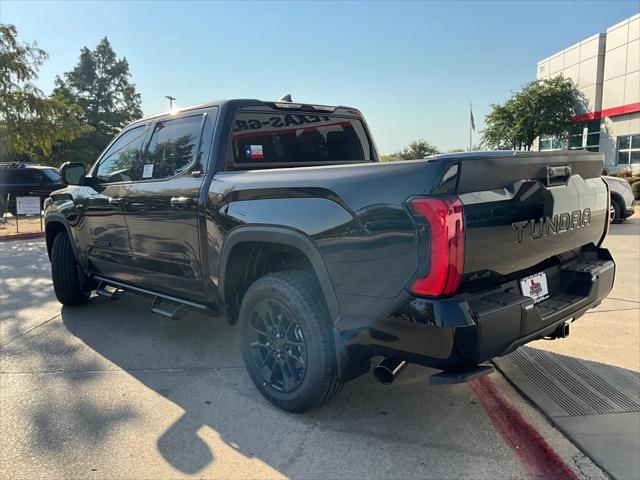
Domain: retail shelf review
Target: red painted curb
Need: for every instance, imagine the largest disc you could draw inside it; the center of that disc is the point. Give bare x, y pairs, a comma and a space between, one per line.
21, 236
534, 452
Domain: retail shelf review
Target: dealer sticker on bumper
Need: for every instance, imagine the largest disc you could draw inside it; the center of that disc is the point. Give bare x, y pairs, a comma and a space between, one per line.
535, 287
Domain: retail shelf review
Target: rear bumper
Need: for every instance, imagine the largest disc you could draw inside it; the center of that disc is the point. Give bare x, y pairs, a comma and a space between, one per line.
474, 327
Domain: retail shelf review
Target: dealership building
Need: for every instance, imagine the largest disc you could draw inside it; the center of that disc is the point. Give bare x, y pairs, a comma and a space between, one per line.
606, 70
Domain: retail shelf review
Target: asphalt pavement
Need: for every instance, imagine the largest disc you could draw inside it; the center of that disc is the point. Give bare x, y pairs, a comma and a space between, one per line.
589, 383
108, 390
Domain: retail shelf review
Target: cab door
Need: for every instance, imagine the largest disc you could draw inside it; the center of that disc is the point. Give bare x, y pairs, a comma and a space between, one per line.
162, 213
102, 207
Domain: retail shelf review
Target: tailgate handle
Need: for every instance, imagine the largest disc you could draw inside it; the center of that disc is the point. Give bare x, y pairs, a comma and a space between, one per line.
558, 175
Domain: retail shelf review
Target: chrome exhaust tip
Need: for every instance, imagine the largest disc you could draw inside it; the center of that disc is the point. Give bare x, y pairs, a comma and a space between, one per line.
388, 369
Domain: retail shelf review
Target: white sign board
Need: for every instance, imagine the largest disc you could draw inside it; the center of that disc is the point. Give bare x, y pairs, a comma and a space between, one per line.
28, 205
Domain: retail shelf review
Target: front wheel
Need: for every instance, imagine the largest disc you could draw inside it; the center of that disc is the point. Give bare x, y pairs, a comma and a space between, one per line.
287, 341
615, 212
68, 280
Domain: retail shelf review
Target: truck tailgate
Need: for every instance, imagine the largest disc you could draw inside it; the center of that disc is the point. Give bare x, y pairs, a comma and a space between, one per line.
522, 208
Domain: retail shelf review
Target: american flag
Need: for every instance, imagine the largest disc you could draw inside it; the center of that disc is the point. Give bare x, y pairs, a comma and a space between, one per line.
473, 123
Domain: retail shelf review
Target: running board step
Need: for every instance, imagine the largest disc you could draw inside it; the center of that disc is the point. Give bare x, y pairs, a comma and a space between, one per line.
178, 311
109, 291
448, 378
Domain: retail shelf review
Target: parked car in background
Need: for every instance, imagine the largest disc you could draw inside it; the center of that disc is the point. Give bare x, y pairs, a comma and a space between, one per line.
621, 199
25, 179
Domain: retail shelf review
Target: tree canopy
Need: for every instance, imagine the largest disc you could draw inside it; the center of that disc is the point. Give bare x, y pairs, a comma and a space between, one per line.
31, 123
542, 107
417, 149
100, 84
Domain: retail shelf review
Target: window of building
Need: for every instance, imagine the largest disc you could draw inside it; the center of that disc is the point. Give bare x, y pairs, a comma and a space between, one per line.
552, 142
585, 136
172, 148
629, 149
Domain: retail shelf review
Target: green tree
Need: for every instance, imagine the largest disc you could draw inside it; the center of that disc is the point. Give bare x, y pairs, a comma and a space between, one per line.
30, 122
542, 107
416, 149
100, 84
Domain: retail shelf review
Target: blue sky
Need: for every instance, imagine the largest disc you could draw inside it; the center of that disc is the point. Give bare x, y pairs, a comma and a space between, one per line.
412, 68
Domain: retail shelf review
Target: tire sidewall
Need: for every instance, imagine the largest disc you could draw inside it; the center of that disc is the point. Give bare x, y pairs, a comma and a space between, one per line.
305, 315
617, 212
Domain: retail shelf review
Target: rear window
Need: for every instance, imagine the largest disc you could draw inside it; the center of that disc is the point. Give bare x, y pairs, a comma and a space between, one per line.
298, 138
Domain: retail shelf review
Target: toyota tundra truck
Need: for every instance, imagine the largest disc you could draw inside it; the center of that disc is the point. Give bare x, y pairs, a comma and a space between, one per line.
279, 217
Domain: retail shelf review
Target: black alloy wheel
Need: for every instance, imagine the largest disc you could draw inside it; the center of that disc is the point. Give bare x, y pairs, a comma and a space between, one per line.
278, 346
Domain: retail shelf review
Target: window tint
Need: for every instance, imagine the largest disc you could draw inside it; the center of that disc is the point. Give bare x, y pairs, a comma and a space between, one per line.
36, 176
171, 149
297, 138
118, 164
52, 174
23, 175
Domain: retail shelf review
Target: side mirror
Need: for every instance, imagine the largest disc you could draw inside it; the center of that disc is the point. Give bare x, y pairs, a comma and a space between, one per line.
73, 173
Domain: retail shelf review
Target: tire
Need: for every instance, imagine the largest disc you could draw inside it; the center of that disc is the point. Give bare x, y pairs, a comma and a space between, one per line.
615, 215
67, 278
287, 341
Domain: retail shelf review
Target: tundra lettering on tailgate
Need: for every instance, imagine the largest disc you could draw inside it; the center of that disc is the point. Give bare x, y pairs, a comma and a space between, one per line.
543, 227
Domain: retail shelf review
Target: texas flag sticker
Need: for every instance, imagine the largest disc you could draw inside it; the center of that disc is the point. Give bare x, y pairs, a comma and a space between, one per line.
253, 152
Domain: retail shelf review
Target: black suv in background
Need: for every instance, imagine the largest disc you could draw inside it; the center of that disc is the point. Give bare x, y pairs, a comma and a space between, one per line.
24, 179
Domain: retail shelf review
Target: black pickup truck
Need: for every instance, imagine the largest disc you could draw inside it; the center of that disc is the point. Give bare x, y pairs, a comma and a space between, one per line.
277, 216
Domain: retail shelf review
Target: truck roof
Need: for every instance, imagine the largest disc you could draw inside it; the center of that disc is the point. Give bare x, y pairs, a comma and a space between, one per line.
252, 102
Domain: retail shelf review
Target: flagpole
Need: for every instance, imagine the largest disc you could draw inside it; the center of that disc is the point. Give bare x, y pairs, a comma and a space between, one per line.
470, 113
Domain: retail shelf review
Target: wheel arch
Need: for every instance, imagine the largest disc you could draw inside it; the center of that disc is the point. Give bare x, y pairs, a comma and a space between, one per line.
616, 197
269, 235
53, 225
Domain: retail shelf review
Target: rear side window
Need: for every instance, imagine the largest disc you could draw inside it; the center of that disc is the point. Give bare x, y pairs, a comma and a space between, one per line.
288, 138
172, 148
22, 176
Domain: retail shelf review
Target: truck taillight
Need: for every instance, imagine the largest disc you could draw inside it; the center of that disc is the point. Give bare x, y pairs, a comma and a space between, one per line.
446, 245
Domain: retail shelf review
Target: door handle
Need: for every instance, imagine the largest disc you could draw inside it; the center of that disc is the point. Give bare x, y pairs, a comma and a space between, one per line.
182, 201
116, 200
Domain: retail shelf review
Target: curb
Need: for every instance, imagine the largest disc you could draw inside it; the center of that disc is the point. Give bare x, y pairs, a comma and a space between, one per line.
21, 236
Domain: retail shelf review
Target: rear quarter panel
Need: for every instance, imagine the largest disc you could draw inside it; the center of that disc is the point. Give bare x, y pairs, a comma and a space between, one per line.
355, 214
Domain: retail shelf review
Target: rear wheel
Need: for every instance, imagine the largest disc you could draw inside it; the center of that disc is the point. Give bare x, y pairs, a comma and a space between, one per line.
68, 280
287, 341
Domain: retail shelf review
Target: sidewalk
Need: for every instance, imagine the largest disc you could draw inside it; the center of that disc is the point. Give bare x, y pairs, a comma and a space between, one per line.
589, 383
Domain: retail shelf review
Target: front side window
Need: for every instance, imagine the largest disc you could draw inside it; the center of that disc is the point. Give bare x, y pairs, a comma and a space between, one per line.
120, 160
629, 149
273, 138
52, 174
172, 148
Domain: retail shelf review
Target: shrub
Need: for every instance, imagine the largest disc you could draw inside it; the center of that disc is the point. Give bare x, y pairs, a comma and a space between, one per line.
635, 188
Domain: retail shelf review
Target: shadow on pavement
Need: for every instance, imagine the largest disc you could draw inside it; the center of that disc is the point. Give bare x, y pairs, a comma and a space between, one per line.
25, 287
196, 364
630, 227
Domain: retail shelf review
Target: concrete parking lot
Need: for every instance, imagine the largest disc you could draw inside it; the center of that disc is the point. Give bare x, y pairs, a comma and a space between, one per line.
108, 390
